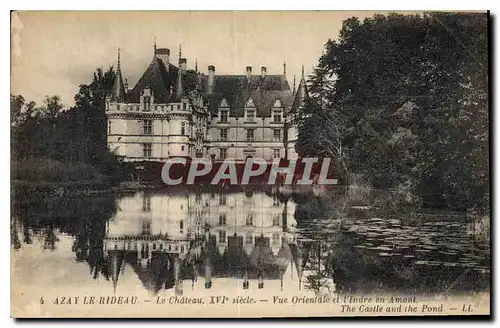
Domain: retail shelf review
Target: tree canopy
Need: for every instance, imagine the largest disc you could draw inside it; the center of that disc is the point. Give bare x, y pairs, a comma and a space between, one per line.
403, 100
77, 134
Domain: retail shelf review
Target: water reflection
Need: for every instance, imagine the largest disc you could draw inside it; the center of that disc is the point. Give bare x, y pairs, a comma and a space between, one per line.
174, 237
245, 241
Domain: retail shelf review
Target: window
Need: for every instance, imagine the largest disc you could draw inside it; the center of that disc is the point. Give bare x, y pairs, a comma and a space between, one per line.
184, 106
146, 204
251, 115
276, 153
182, 148
223, 134
276, 238
146, 101
224, 116
276, 220
277, 118
249, 220
147, 127
181, 226
222, 199
277, 135
183, 128
222, 153
146, 227
222, 219
276, 200
146, 150
250, 135
249, 239
222, 236
109, 127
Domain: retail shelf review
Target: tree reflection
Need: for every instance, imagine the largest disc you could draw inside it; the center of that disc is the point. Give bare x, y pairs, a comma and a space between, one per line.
84, 217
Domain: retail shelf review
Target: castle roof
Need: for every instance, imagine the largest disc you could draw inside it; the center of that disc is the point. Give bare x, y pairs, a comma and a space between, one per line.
158, 79
301, 95
236, 90
118, 91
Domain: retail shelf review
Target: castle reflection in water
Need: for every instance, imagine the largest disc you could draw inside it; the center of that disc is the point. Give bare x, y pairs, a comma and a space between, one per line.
205, 238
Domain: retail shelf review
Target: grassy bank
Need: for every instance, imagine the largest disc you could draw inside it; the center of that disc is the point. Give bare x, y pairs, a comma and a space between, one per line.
58, 177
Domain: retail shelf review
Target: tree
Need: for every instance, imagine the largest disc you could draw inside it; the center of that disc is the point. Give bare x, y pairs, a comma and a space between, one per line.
403, 100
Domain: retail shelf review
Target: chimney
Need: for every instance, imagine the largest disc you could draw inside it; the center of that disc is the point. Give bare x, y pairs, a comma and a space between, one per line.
164, 55
183, 64
211, 79
263, 71
249, 71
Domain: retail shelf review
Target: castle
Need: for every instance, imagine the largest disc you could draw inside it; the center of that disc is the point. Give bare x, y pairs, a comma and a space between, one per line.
176, 112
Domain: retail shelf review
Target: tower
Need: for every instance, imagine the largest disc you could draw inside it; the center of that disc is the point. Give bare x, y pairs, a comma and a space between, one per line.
118, 91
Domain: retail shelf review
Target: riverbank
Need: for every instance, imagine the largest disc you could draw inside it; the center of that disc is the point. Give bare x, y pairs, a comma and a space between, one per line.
57, 178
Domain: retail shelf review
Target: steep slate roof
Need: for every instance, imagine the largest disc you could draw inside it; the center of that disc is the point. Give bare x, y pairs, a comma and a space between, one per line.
118, 91
235, 89
157, 79
238, 89
301, 95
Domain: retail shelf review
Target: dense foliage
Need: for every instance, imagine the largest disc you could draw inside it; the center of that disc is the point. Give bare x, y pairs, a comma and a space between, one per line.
403, 101
75, 135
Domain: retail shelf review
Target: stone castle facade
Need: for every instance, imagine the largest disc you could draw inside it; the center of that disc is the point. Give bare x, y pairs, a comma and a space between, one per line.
176, 112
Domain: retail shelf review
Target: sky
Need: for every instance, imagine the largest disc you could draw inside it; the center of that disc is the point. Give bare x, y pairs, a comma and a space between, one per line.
54, 52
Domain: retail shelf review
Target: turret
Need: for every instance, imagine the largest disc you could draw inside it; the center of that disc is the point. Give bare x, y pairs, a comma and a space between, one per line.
301, 94
179, 88
118, 91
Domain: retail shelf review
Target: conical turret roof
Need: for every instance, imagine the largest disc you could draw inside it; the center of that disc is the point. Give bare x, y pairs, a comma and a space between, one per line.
118, 92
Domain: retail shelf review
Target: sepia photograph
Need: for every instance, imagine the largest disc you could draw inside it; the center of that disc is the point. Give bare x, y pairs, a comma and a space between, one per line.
250, 164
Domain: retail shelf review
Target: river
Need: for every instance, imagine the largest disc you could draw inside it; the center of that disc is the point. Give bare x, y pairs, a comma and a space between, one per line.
203, 242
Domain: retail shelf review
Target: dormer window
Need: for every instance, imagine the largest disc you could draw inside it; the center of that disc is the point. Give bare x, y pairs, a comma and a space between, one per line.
250, 103
277, 118
146, 102
224, 116
250, 115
